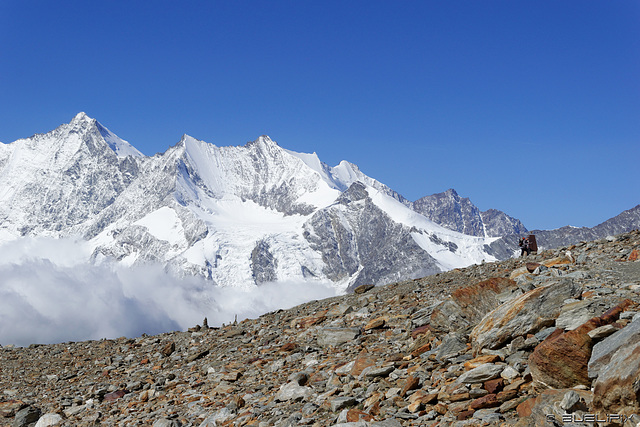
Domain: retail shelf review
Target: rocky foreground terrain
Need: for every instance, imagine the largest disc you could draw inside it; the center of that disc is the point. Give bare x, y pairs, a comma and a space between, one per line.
551, 339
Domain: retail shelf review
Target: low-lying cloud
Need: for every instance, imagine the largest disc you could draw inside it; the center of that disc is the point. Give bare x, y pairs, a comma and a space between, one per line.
49, 293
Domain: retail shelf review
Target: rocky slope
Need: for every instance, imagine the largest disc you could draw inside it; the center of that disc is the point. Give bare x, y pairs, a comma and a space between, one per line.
547, 340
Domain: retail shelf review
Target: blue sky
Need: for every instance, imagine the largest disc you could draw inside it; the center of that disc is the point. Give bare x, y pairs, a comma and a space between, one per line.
529, 107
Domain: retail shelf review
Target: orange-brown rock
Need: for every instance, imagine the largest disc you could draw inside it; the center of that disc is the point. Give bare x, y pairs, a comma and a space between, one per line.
375, 323
524, 409
561, 361
288, 347
169, 348
531, 266
411, 383
504, 396
494, 386
355, 415
488, 401
363, 361
305, 322
464, 415
420, 350
481, 360
634, 255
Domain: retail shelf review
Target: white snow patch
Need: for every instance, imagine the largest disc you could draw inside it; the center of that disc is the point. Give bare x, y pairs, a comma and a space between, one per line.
164, 224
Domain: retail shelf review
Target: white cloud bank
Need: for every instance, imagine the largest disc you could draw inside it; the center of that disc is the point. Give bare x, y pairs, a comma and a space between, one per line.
49, 293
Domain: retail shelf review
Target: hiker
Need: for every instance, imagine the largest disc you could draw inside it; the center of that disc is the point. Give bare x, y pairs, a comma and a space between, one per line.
524, 246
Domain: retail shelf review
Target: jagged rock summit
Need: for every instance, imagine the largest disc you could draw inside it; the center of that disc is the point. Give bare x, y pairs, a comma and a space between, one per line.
546, 339
237, 215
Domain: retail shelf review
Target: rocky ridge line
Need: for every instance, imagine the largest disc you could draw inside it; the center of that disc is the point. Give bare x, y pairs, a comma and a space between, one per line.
497, 344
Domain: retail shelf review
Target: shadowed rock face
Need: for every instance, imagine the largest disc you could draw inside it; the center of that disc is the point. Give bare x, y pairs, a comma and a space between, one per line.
263, 263
355, 236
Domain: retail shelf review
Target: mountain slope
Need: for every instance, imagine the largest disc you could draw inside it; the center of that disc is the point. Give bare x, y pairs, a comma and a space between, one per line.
459, 214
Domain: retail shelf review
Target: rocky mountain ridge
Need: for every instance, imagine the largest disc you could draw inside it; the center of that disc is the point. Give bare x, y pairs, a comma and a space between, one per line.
550, 338
238, 216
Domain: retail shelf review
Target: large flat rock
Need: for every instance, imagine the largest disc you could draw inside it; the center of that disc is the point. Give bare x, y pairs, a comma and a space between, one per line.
526, 314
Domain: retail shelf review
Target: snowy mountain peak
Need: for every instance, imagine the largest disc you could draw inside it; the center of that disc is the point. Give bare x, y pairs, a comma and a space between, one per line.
121, 147
81, 117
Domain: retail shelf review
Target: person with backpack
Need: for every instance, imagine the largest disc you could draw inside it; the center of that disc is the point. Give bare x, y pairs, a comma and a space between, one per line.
523, 242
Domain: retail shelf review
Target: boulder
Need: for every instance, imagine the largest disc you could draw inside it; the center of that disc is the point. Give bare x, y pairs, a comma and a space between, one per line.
576, 313
550, 403
617, 388
335, 336
561, 361
526, 314
605, 349
49, 420
482, 373
467, 306
293, 391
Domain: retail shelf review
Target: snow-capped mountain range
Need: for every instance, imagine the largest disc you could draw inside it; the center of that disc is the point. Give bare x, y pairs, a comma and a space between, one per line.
239, 216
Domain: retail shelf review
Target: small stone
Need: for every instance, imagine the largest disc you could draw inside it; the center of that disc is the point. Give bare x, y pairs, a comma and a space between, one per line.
488, 401
494, 386
362, 289
164, 422
482, 373
602, 332
49, 420
328, 337
197, 355
169, 348
378, 372
9, 408
375, 324
509, 373
26, 416
411, 383
118, 394
341, 403
293, 391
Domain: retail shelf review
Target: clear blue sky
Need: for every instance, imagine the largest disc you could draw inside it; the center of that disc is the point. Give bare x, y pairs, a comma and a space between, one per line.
529, 107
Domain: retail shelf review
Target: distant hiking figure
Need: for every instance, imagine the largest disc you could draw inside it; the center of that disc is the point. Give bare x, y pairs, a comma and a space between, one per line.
524, 246
528, 245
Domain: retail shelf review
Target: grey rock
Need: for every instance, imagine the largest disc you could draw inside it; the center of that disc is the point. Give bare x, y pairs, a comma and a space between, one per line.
603, 351
390, 422
602, 332
484, 372
341, 403
293, 391
164, 422
570, 401
452, 344
575, 314
49, 420
373, 372
26, 416
217, 418
336, 336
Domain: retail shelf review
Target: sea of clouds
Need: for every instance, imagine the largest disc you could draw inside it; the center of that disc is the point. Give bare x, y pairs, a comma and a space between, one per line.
50, 293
